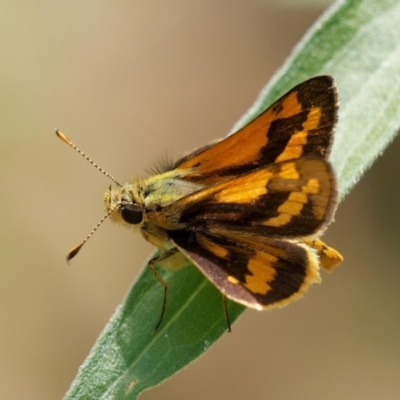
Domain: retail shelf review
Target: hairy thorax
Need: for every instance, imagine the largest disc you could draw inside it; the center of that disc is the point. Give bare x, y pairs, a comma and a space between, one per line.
151, 198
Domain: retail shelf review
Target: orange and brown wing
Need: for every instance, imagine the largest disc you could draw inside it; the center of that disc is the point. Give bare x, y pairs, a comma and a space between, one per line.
289, 199
258, 275
299, 124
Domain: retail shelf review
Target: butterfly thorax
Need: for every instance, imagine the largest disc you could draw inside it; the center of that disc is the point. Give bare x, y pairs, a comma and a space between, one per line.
142, 203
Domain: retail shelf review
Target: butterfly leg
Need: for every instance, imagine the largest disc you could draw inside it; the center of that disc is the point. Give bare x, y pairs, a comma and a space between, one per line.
226, 314
152, 263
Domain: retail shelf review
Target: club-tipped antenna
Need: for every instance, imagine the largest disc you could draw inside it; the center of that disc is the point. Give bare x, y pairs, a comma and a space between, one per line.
75, 250
67, 141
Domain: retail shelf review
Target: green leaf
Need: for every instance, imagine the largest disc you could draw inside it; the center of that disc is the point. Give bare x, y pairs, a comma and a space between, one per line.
129, 356
358, 43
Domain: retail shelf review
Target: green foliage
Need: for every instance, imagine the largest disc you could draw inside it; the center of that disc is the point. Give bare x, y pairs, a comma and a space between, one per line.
357, 42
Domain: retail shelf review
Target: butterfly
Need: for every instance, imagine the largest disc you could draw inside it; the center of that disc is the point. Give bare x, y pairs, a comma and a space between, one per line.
247, 210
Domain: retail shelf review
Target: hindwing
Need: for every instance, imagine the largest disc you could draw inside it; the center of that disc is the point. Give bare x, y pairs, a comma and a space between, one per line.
257, 275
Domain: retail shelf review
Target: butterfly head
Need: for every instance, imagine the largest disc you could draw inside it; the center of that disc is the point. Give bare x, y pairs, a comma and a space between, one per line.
125, 204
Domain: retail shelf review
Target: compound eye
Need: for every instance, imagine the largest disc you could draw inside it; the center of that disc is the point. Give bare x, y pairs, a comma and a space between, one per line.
132, 214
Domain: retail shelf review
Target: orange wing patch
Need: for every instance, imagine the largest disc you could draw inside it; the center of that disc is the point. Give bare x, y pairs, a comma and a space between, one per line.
257, 279
297, 143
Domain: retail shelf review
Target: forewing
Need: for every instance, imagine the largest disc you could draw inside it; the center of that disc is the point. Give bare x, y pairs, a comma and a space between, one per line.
257, 275
299, 124
288, 199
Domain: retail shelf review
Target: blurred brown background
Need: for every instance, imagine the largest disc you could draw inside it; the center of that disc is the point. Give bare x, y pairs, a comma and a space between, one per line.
128, 81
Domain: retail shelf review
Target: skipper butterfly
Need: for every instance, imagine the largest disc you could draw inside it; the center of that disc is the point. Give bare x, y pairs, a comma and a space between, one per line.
248, 210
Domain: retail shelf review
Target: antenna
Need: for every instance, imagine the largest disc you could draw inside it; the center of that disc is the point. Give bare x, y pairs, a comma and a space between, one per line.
75, 250
68, 142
